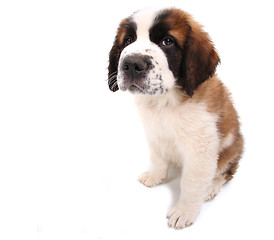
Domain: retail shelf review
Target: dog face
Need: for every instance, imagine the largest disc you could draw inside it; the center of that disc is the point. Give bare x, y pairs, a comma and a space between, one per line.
157, 50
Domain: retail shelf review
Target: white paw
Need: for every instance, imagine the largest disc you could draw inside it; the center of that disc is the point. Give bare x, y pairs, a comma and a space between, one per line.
182, 216
151, 178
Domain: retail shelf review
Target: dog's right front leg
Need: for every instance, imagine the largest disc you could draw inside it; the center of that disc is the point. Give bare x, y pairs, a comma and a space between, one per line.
159, 171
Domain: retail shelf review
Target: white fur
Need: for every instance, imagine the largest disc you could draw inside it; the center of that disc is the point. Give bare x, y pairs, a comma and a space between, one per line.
185, 134
144, 19
226, 142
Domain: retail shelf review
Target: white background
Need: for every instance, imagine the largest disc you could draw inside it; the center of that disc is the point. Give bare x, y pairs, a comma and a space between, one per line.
71, 150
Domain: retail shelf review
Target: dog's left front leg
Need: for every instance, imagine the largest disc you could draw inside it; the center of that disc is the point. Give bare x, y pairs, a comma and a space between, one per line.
159, 170
198, 171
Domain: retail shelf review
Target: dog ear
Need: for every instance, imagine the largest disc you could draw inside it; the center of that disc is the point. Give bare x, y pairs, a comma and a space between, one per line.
199, 60
114, 56
115, 53
126, 27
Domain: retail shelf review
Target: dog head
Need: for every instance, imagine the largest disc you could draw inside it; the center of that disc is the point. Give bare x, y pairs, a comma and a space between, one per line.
157, 50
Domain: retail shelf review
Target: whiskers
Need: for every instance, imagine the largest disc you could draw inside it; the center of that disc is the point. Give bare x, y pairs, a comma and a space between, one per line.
140, 89
112, 82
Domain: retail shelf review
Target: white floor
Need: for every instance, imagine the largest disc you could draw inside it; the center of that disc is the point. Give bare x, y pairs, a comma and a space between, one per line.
71, 151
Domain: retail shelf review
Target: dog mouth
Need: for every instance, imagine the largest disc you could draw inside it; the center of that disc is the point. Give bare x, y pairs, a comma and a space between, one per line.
134, 89
142, 87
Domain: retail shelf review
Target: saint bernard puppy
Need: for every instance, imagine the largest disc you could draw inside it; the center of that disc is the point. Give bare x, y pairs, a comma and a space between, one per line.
168, 62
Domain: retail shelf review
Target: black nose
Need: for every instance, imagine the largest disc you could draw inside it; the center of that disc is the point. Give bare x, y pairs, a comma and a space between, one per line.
136, 65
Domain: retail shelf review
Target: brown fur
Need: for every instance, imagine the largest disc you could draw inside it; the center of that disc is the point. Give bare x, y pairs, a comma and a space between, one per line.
121, 32
179, 25
218, 100
229, 158
115, 50
199, 55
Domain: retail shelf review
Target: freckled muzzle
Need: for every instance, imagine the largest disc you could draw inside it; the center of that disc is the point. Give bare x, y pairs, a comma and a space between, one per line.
143, 69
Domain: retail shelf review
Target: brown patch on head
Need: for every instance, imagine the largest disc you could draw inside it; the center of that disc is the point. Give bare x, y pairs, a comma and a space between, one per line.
178, 24
127, 28
199, 57
121, 33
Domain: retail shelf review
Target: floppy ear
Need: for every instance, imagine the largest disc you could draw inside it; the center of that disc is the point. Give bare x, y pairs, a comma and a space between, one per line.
114, 56
126, 27
199, 60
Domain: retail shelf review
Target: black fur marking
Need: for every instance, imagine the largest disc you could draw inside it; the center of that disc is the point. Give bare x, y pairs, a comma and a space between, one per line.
160, 30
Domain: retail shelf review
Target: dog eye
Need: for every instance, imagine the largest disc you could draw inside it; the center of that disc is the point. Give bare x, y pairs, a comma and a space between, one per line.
127, 41
167, 41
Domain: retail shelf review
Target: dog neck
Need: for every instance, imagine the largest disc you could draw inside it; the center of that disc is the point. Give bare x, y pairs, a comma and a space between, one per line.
171, 99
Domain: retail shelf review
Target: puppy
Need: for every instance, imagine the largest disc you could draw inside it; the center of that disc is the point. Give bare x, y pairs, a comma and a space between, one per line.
168, 62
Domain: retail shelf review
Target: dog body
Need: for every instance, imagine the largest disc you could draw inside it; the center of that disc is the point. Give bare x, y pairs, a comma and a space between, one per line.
168, 62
